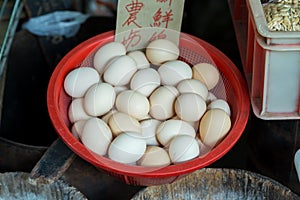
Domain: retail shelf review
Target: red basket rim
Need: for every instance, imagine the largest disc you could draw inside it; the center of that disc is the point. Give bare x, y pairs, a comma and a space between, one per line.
55, 84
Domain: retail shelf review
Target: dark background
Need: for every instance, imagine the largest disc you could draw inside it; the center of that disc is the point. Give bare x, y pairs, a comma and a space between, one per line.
266, 147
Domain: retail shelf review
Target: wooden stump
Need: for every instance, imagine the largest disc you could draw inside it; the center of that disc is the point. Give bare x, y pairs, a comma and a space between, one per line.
16, 185
217, 183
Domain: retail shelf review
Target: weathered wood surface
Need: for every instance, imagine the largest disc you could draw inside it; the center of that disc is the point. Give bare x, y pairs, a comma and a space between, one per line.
17, 185
53, 163
219, 184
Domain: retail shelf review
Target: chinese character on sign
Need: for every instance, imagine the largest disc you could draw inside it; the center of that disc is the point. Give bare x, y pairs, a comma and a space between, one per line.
150, 17
132, 39
158, 35
133, 9
162, 20
164, 1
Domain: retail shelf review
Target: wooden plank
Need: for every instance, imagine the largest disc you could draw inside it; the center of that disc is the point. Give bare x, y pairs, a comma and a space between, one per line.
53, 163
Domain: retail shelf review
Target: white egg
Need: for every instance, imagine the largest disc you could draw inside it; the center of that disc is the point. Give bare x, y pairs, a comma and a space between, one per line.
172, 72
121, 122
145, 81
79, 80
120, 71
190, 106
145, 117
127, 148
154, 156
210, 97
140, 59
133, 103
162, 102
204, 150
119, 89
161, 50
213, 127
221, 104
194, 124
193, 86
183, 148
206, 73
168, 129
96, 136
107, 115
149, 127
105, 53
76, 110
99, 99
77, 128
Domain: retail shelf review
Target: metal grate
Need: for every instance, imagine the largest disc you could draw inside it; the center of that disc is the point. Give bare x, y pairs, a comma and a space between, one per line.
7, 29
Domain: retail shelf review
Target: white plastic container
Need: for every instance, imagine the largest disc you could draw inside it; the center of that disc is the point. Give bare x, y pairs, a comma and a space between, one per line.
271, 62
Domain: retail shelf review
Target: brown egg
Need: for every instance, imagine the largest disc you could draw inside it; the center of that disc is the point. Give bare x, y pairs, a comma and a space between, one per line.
120, 122
206, 73
154, 156
213, 127
161, 50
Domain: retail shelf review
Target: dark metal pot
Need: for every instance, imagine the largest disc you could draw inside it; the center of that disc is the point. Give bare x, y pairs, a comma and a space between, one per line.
15, 156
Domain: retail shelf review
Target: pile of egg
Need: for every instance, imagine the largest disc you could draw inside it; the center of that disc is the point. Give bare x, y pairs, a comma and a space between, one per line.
146, 108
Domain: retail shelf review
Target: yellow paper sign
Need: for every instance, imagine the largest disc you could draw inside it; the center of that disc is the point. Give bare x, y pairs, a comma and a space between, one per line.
141, 21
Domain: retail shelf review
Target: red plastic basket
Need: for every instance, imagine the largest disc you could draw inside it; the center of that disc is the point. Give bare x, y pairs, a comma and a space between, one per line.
233, 89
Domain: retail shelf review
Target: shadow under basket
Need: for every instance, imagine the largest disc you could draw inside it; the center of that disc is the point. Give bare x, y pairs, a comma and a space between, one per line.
231, 87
